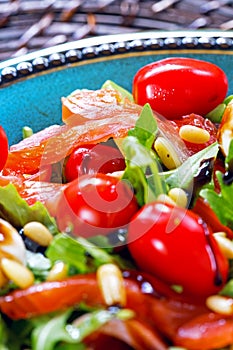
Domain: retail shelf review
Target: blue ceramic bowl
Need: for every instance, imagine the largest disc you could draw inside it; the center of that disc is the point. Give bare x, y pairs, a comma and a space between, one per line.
31, 86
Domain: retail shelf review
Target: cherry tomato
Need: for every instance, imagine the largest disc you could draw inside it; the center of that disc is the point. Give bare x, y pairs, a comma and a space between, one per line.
92, 159
200, 122
178, 86
3, 148
95, 205
177, 246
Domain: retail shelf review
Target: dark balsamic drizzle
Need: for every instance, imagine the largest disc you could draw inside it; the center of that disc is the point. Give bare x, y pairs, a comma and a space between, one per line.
218, 280
228, 178
204, 173
30, 244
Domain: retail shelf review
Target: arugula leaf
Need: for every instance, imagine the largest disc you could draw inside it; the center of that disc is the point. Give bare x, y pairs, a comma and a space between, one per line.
67, 249
139, 161
183, 175
138, 181
16, 210
109, 84
221, 203
47, 334
146, 127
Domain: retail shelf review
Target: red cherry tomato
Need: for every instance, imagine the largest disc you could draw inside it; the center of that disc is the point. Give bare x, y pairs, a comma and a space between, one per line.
177, 246
178, 86
3, 148
200, 122
95, 205
92, 159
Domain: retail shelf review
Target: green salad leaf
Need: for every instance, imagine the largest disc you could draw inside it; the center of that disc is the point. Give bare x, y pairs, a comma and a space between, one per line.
109, 84
221, 203
140, 161
81, 254
4, 334
228, 289
183, 175
65, 248
15, 335
146, 128
15, 210
47, 334
229, 157
142, 166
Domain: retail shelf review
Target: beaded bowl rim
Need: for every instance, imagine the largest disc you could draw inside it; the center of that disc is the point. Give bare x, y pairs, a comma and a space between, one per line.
112, 45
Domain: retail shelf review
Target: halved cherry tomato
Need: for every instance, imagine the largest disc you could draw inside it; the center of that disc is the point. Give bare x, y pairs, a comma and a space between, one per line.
167, 316
179, 86
206, 331
92, 159
96, 204
200, 122
177, 246
3, 148
47, 297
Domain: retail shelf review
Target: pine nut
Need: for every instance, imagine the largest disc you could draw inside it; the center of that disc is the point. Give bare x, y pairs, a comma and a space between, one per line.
194, 134
225, 245
220, 233
11, 243
179, 196
220, 304
165, 199
18, 273
111, 284
38, 233
166, 153
58, 272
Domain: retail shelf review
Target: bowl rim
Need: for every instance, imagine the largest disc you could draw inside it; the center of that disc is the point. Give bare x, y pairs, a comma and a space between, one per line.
214, 41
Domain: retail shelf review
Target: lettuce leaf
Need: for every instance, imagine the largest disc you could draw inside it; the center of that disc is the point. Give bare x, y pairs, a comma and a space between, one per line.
81, 254
15, 210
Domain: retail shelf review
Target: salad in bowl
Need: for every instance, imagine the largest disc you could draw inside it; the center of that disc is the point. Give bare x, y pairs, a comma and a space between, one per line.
116, 225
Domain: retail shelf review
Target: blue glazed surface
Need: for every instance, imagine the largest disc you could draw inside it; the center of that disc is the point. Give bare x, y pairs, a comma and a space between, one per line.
35, 101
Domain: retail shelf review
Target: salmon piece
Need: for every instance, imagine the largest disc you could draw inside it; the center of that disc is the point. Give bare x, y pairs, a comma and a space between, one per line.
95, 121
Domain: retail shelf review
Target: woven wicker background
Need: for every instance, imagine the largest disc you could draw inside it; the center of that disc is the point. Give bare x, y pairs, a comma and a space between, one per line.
28, 25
